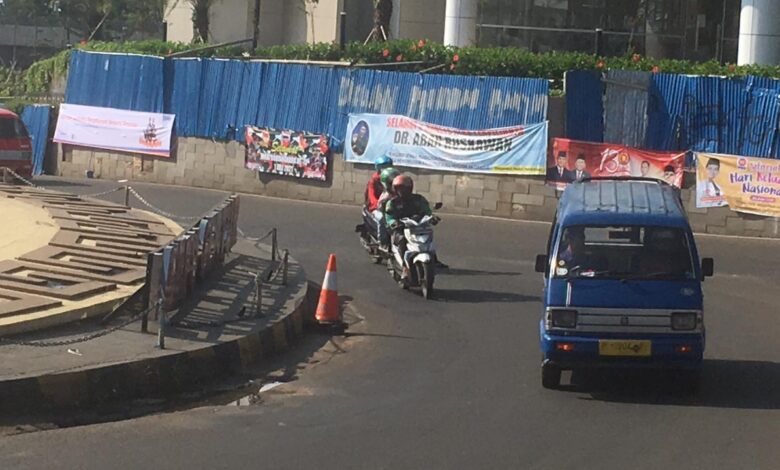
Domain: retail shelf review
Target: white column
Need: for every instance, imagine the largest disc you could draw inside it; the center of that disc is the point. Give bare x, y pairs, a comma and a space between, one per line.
460, 23
759, 32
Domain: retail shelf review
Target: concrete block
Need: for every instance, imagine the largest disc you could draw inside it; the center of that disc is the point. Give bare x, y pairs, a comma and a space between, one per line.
716, 229
542, 189
449, 180
755, 224
717, 216
436, 188
422, 184
513, 186
473, 182
461, 200
528, 199
436, 178
735, 225
490, 196
468, 191
491, 183
503, 209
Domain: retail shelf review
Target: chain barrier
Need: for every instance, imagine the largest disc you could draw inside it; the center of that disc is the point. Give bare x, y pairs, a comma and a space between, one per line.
160, 211
76, 340
255, 239
104, 193
22, 179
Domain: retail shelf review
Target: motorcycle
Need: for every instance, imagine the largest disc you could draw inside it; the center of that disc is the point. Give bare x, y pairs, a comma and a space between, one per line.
420, 255
367, 231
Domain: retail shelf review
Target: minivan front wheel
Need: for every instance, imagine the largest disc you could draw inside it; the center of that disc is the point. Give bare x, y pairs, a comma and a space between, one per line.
551, 376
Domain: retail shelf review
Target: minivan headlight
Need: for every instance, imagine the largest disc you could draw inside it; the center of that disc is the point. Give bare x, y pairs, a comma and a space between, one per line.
684, 320
563, 318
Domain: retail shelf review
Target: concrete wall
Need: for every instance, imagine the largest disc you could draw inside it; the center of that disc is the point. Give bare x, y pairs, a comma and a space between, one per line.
230, 20
178, 15
300, 21
421, 19
206, 164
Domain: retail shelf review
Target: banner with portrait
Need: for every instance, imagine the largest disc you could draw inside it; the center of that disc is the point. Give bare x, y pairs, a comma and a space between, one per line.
518, 150
115, 129
287, 153
573, 160
744, 184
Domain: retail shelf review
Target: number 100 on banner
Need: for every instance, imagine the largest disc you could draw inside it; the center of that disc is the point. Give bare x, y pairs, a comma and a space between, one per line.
519, 150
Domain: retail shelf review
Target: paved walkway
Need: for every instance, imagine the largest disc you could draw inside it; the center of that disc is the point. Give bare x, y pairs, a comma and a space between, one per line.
214, 317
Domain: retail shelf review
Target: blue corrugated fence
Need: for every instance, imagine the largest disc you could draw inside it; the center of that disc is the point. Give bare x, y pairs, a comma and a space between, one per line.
213, 97
710, 114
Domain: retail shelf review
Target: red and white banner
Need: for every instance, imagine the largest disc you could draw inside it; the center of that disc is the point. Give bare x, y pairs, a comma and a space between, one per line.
115, 129
573, 160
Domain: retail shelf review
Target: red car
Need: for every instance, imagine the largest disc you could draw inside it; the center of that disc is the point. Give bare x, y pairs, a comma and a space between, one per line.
15, 144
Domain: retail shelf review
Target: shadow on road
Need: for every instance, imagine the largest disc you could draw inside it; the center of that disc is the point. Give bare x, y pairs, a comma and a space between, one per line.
725, 384
477, 272
479, 296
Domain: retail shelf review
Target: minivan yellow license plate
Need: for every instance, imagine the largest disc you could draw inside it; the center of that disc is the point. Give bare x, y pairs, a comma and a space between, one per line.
635, 348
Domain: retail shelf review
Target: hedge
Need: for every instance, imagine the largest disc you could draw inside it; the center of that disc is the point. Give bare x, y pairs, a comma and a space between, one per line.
423, 55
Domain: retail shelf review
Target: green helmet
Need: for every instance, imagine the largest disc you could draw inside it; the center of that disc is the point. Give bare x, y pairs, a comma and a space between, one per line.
387, 176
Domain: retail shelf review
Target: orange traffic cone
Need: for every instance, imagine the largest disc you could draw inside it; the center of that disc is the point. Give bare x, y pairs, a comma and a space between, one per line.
328, 312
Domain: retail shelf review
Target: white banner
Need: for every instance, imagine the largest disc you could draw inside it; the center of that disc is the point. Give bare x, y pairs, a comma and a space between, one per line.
115, 129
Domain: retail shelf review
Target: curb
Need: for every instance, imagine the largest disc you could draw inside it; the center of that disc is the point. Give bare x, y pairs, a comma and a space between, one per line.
181, 372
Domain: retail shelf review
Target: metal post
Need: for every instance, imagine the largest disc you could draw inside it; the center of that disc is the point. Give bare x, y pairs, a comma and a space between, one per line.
273, 245
127, 196
258, 295
343, 30
256, 26
284, 267
599, 43
161, 326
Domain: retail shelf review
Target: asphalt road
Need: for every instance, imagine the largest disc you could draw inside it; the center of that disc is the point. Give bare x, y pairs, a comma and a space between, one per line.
455, 383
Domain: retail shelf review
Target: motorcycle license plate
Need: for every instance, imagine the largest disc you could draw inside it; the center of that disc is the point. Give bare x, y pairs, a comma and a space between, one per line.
635, 348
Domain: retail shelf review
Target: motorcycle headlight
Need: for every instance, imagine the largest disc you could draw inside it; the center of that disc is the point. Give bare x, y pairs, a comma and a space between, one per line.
684, 320
563, 318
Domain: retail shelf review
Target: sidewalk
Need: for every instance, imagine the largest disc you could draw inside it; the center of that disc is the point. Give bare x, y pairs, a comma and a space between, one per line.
216, 334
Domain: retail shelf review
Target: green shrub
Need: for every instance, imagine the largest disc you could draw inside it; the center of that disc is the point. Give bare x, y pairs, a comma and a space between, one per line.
409, 55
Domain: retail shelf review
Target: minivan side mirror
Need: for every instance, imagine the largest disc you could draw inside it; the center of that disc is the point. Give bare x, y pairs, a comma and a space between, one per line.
707, 267
541, 263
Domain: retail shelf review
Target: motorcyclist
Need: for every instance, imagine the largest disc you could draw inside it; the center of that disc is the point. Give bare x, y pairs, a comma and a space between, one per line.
374, 187
405, 204
374, 190
386, 177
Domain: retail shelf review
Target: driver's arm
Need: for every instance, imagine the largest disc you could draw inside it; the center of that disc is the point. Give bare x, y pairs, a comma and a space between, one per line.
425, 207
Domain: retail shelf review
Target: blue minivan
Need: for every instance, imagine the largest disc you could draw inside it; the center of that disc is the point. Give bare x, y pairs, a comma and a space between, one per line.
622, 281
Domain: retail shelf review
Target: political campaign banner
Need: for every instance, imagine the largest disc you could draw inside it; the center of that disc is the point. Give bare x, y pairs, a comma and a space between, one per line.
518, 150
573, 160
115, 129
287, 153
744, 184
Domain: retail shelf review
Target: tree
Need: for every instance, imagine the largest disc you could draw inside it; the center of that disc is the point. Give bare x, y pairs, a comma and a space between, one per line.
92, 19
201, 9
383, 10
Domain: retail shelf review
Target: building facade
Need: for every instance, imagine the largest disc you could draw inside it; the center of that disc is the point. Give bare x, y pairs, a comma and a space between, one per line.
724, 30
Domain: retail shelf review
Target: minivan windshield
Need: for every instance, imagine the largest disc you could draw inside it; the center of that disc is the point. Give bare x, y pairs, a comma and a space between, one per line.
624, 252
11, 128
